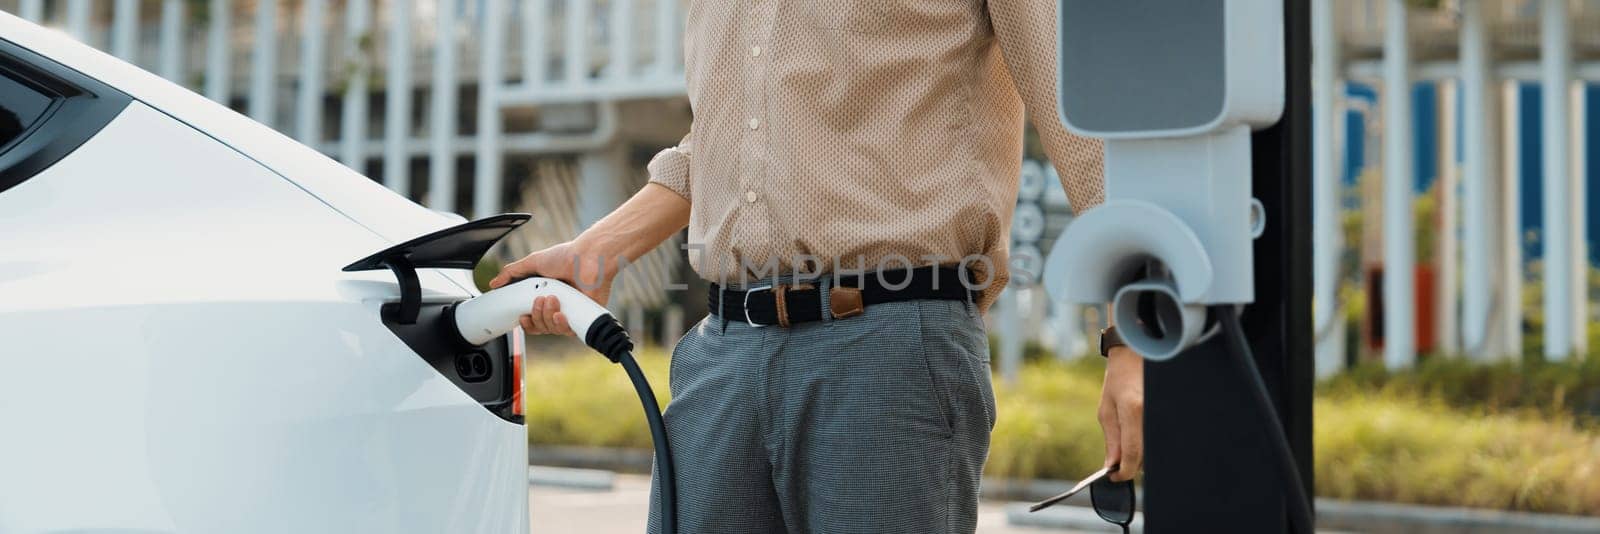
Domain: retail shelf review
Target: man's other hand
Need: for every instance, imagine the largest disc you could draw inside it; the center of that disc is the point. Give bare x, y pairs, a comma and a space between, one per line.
562, 262
1122, 412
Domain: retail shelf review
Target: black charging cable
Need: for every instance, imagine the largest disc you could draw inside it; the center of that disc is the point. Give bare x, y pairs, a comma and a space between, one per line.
608, 337
658, 435
1244, 362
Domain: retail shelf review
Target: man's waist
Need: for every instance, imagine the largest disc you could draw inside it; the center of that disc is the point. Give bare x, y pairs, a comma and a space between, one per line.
788, 300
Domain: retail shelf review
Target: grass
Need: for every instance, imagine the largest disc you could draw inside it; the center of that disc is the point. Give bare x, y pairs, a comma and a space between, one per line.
1383, 438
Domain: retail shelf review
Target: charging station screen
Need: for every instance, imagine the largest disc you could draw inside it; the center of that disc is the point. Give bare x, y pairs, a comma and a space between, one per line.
1141, 65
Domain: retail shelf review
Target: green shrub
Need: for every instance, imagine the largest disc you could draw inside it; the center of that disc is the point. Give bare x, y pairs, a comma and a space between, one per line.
1398, 448
586, 400
1550, 389
484, 271
1046, 425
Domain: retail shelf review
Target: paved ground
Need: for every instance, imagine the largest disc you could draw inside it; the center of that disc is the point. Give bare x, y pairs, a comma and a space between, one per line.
622, 510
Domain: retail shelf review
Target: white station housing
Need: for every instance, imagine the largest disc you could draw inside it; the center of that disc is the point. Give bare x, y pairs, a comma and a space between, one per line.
1174, 87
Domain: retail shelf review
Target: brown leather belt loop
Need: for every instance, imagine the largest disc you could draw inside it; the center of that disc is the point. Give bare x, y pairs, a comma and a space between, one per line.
780, 300
778, 292
845, 302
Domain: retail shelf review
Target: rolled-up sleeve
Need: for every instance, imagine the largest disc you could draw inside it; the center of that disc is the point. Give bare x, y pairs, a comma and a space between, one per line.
670, 168
1026, 30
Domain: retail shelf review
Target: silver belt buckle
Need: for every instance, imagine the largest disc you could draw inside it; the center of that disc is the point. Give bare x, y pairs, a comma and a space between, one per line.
747, 294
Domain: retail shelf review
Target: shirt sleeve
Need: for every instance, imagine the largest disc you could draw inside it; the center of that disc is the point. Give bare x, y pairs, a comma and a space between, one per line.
670, 167
1026, 31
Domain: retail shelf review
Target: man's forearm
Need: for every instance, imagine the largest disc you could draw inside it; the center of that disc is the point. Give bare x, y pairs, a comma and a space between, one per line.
648, 218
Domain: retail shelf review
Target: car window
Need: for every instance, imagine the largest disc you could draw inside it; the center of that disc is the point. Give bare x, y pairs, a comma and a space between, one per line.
46, 111
20, 107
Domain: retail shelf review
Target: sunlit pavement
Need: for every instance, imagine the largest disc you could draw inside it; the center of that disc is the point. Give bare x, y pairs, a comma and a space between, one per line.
622, 510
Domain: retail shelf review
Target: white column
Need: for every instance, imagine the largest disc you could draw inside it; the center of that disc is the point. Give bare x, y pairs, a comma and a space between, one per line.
79, 20
31, 10
1510, 304
1445, 316
1011, 336
172, 42
622, 47
669, 34
218, 69
620, 64
1399, 310
577, 45
1035, 309
486, 186
353, 118
671, 325
1480, 177
1326, 162
442, 124
308, 101
397, 105
125, 30
264, 64
1067, 321
637, 328
1580, 224
600, 188
535, 49
1555, 53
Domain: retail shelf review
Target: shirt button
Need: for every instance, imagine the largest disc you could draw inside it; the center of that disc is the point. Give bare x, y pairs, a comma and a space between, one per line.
755, 123
749, 196
755, 51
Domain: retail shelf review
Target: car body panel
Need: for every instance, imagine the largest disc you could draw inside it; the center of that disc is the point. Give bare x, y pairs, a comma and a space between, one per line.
182, 352
390, 215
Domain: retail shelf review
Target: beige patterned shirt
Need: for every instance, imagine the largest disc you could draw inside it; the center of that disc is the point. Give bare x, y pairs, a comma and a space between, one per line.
848, 133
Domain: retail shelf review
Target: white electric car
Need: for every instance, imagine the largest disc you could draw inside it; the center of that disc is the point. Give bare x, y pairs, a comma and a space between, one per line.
182, 348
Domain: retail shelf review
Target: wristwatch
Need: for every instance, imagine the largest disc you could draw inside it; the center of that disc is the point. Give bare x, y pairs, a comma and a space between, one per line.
1109, 339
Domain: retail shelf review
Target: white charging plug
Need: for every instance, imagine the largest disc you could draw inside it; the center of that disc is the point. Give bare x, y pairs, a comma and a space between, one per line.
493, 314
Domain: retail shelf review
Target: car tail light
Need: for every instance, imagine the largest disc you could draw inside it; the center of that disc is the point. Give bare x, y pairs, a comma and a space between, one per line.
517, 351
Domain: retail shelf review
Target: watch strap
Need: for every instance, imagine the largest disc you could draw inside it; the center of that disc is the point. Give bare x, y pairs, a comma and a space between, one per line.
1109, 339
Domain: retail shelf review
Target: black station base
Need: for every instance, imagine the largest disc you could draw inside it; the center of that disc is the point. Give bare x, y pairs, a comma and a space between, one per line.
1208, 464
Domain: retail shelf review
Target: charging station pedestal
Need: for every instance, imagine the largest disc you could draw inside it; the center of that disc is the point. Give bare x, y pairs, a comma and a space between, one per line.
1204, 462
1206, 467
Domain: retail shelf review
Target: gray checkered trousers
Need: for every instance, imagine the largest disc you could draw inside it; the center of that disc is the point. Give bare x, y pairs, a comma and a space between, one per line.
875, 424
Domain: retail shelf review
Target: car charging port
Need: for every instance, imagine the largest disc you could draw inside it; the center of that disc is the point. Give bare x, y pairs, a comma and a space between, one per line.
474, 366
485, 372
448, 334
487, 367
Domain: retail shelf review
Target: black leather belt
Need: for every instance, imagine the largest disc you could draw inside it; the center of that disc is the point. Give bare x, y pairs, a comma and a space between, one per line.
801, 300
